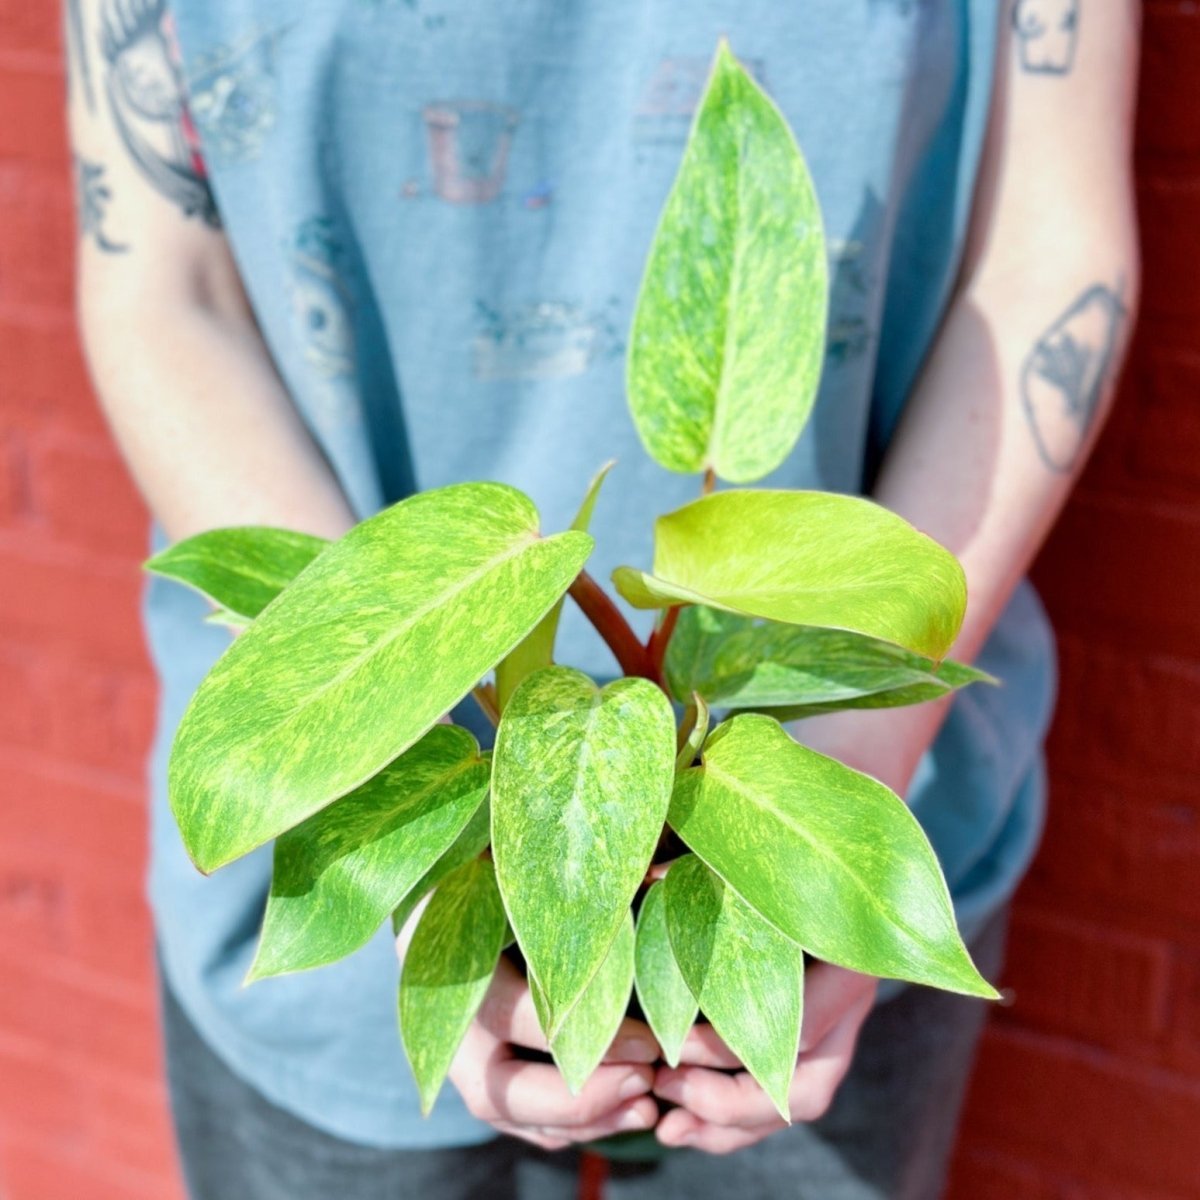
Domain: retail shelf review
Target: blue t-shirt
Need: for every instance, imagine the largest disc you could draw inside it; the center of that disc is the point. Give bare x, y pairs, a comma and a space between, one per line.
440, 209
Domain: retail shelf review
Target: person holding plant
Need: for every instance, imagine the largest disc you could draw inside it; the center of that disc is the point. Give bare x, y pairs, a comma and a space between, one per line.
334, 256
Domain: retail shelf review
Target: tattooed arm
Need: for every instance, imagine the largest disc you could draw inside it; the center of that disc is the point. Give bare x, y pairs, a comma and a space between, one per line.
1012, 396
180, 368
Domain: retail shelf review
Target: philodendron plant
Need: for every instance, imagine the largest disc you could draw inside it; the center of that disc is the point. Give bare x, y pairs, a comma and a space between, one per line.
321, 725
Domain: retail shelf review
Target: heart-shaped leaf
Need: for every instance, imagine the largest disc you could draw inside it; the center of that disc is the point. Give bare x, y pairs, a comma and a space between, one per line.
748, 977
581, 781
663, 993
447, 971
340, 873
832, 858
729, 333
800, 670
589, 1028
469, 844
387, 630
805, 558
242, 569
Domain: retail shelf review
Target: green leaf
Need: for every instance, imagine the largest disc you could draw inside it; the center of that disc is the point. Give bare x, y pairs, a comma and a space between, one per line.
469, 844
801, 670
537, 650
241, 569
699, 716
805, 558
447, 971
581, 781
339, 874
832, 858
589, 1028
729, 334
748, 977
663, 993
387, 630
228, 618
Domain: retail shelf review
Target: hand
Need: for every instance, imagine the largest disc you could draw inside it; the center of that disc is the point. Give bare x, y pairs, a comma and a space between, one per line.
720, 1113
529, 1100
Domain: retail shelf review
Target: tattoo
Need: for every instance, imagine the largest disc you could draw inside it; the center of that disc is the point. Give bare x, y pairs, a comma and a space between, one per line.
92, 195
77, 53
1047, 33
1067, 371
147, 99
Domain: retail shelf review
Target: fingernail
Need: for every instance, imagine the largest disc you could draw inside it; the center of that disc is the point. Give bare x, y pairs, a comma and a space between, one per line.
633, 1085
634, 1119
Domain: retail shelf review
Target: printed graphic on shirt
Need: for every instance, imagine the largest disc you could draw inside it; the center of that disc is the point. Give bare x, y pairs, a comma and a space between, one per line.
1047, 33
468, 145
663, 114
147, 99
234, 97
550, 340
320, 303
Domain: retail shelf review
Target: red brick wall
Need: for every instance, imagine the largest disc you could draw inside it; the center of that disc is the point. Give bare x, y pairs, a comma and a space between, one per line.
1089, 1086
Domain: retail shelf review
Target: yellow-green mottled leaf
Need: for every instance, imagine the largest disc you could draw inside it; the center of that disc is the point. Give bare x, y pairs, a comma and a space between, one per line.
241, 569
537, 650
663, 993
228, 618
831, 857
799, 670
581, 781
748, 977
589, 1028
468, 845
806, 558
699, 716
387, 630
729, 333
339, 874
447, 970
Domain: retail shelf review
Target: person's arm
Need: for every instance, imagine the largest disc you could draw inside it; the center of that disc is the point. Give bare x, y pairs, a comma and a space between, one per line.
1007, 408
213, 439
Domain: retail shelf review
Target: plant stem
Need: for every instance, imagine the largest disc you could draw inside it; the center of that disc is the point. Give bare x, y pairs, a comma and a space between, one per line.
656, 647
710, 482
596, 605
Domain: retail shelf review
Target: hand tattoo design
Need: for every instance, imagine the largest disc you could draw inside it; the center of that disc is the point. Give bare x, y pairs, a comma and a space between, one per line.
1047, 33
92, 195
1064, 376
147, 99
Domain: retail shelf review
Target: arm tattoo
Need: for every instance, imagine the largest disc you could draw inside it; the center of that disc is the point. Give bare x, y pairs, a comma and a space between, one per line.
1065, 374
147, 99
92, 195
1047, 33
78, 64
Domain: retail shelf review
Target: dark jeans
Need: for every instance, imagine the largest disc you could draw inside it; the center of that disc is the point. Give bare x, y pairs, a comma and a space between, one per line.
887, 1136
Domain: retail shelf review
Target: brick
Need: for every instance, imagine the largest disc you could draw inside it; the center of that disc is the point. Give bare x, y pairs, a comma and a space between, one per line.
1168, 205
1170, 51
37, 238
1125, 575
1085, 1114
30, 28
40, 1094
1183, 1049
69, 600
28, 130
83, 494
1125, 712
1167, 445
128, 1126
14, 485
1112, 853
977, 1175
46, 383
1087, 982
32, 1171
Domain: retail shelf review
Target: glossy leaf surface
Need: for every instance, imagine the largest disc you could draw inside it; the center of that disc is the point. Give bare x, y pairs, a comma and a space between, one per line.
589, 1028
385, 632
581, 781
739, 662
729, 333
469, 844
537, 649
339, 874
748, 977
242, 569
663, 993
806, 558
831, 857
447, 971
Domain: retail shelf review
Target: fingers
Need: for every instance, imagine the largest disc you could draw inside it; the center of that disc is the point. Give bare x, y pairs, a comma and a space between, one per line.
637, 1115
507, 1012
703, 1048
829, 993
634, 1043
534, 1093
732, 1100
681, 1128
